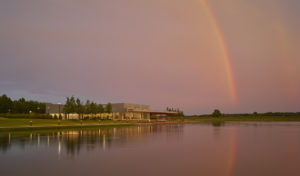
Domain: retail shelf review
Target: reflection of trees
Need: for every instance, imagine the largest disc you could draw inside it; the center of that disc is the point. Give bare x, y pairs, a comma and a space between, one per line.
174, 130
75, 140
217, 123
72, 144
4, 142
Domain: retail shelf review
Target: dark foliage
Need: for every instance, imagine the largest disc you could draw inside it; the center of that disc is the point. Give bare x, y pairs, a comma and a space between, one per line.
20, 106
73, 105
217, 113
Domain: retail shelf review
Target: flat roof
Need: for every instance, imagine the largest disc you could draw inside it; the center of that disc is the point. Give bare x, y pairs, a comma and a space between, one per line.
155, 112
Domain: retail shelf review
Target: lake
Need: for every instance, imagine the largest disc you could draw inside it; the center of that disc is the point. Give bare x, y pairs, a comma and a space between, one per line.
216, 149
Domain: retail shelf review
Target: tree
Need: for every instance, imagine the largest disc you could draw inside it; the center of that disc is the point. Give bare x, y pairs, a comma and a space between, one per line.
67, 107
19, 106
180, 113
79, 107
100, 108
108, 108
5, 104
217, 113
72, 105
35, 107
87, 107
93, 108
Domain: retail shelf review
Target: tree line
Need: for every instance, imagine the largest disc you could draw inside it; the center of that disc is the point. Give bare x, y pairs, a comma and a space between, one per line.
21, 106
218, 113
179, 112
73, 105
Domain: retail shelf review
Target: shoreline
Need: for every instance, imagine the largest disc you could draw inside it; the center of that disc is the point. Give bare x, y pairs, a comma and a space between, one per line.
76, 124
24, 128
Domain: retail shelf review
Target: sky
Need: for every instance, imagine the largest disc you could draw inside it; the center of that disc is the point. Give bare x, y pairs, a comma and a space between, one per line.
197, 55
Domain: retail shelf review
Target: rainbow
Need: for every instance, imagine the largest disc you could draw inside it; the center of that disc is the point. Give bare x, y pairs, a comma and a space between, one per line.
224, 49
232, 153
283, 41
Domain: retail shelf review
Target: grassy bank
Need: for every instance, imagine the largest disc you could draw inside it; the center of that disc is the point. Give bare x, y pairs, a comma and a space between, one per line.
27, 123
25, 116
8, 123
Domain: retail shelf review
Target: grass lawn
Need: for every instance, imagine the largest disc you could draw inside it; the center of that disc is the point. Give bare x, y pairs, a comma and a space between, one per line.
18, 123
22, 123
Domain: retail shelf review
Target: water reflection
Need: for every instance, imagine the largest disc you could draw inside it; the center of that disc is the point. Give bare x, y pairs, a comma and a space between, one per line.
72, 140
235, 148
218, 123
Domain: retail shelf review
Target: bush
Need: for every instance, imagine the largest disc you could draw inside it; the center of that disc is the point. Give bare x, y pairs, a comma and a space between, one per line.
217, 113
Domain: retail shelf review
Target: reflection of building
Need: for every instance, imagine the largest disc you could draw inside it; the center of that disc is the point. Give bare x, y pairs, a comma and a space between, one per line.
120, 111
72, 141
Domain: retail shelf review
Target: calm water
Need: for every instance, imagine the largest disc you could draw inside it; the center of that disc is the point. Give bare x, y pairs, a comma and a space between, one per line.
242, 149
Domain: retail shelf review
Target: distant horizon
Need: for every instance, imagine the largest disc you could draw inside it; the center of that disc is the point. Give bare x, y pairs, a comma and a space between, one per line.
208, 113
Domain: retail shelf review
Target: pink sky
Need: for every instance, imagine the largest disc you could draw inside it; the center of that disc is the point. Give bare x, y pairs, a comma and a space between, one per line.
157, 52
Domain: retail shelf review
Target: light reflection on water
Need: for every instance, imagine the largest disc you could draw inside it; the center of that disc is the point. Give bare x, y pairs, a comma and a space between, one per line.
236, 148
74, 139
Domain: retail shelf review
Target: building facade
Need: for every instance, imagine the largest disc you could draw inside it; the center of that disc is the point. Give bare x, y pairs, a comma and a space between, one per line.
127, 107
120, 111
